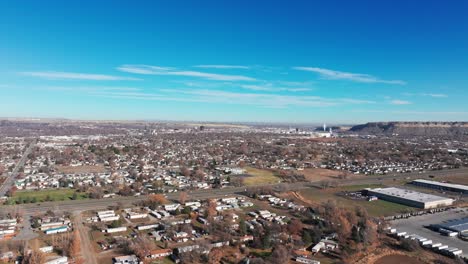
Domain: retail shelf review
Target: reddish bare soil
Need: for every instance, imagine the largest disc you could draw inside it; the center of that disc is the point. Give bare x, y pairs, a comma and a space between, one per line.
81, 169
325, 174
392, 259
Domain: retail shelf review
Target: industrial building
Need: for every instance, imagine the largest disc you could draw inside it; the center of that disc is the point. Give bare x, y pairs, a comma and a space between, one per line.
442, 186
410, 198
457, 225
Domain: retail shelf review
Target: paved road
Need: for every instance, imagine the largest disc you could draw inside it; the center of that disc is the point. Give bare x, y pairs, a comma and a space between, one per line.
11, 178
83, 205
102, 204
415, 225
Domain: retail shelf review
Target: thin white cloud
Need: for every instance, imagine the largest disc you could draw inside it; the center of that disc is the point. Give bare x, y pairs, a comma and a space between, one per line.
273, 99
271, 88
296, 89
295, 84
88, 88
78, 76
400, 102
254, 87
156, 70
217, 66
436, 95
225, 97
433, 95
274, 86
355, 77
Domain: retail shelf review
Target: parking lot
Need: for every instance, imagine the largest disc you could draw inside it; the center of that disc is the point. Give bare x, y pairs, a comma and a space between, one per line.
415, 225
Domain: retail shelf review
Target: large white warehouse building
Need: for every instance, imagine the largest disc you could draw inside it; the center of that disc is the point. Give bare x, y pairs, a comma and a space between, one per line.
410, 198
459, 188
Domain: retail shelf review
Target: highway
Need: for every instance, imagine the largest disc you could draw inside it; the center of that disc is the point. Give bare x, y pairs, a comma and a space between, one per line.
84, 205
10, 180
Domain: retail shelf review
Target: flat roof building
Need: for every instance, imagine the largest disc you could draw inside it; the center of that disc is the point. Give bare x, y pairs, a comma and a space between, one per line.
459, 188
456, 225
410, 198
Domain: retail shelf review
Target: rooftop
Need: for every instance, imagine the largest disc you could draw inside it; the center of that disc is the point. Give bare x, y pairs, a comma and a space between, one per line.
459, 225
449, 185
409, 194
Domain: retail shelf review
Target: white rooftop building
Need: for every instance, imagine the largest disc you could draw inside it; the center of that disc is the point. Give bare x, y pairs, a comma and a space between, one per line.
410, 198
442, 186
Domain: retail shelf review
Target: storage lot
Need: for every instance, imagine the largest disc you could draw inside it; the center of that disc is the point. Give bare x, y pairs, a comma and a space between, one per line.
415, 225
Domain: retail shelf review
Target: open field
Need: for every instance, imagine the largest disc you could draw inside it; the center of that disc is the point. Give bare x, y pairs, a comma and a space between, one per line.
375, 208
259, 176
166, 260
457, 179
46, 195
260, 252
80, 169
391, 259
324, 259
317, 174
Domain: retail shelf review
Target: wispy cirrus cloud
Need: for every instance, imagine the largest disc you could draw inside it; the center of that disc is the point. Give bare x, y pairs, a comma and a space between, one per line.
433, 95
271, 88
436, 95
56, 75
400, 102
80, 89
157, 70
226, 97
218, 66
355, 77
88, 88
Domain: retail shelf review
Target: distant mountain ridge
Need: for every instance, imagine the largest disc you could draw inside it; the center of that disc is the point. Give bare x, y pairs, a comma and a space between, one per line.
453, 129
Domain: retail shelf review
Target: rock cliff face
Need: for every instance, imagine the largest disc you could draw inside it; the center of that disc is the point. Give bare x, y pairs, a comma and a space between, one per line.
454, 129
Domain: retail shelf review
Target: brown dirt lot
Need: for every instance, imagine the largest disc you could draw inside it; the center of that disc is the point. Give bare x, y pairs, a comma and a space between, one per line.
461, 179
325, 174
418, 257
81, 169
391, 259
389, 252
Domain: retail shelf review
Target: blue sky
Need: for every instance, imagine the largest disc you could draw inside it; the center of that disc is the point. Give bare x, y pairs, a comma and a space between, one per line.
268, 61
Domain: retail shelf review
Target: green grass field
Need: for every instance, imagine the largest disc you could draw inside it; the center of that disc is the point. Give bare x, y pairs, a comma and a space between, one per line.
166, 260
45, 195
374, 208
259, 176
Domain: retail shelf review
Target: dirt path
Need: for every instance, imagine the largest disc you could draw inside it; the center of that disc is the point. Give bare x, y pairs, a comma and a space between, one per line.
26, 233
300, 198
87, 251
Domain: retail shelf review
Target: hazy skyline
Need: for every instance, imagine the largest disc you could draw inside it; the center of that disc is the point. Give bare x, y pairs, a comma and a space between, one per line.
301, 62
